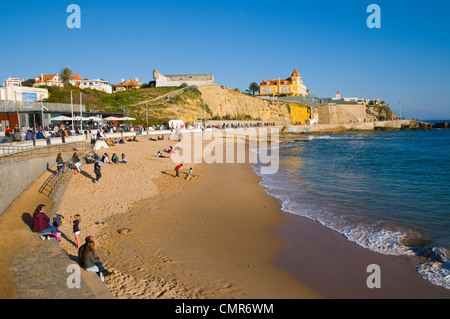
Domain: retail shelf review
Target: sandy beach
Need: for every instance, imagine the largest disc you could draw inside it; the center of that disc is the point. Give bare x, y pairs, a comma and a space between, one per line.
217, 235
207, 237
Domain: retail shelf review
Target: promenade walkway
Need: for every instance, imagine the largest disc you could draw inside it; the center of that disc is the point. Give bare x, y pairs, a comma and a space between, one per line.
32, 268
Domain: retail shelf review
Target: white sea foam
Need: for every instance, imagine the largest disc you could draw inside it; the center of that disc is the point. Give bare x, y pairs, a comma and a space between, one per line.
435, 272
375, 237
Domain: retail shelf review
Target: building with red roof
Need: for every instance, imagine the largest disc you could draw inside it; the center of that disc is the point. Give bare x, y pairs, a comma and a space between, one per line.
55, 80
292, 86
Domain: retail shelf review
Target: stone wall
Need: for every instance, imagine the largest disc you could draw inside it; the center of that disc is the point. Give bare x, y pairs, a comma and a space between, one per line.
331, 113
177, 80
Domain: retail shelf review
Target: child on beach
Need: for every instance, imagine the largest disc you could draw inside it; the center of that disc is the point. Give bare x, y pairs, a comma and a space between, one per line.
160, 155
115, 158
75, 222
190, 173
177, 170
124, 159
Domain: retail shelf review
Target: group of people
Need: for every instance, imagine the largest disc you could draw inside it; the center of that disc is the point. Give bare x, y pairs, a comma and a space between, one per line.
105, 159
86, 253
189, 174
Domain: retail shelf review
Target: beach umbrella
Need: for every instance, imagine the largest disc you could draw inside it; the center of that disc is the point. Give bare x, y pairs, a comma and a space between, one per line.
126, 118
112, 118
94, 118
61, 118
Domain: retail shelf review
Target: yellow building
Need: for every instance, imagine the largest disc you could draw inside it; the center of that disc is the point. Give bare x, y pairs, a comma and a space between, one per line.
292, 86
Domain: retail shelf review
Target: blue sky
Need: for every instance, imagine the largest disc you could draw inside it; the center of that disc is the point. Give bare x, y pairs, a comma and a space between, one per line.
328, 42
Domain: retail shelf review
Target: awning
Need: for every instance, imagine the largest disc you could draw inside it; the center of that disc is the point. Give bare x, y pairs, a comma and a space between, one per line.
112, 118
61, 118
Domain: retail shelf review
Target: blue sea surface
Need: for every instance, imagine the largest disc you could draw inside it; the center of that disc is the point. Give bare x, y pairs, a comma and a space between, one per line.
386, 191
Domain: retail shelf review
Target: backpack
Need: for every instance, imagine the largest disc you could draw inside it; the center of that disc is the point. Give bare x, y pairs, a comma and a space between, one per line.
57, 220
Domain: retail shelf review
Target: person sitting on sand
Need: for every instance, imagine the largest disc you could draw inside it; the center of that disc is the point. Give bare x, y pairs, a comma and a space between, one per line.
124, 159
76, 161
41, 222
160, 155
105, 158
115, 159
89, 260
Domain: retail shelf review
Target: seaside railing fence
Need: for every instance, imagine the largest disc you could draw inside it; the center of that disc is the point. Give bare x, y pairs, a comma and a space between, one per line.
54, 183
12, 153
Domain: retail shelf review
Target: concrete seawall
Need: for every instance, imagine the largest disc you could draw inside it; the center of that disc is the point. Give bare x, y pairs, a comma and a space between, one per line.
17, 176
364, 126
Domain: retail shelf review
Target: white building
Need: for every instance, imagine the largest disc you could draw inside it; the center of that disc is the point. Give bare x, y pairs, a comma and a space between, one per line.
100, 85
14, 91
55, 80
177, 80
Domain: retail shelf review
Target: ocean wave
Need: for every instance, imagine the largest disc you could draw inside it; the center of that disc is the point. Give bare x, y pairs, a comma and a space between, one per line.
435, 272
384, 238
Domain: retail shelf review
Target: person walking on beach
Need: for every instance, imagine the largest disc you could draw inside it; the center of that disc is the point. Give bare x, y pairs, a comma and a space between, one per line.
177, 170
75, 222
97, 171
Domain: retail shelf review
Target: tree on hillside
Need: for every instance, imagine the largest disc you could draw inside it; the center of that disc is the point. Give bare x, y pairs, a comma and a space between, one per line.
65, 74
254, 88
28, 83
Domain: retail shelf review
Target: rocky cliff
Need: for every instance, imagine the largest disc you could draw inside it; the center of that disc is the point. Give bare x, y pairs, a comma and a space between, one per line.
225, 103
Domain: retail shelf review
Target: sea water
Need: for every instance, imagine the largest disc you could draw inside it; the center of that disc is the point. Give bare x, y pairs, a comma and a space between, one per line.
386, 191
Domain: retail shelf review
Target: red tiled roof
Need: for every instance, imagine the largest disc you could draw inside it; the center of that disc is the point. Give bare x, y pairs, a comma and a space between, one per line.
282, 82
46, 77
129, 83
76, 77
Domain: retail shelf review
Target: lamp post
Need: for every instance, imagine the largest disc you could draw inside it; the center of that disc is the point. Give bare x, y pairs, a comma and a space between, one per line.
71, 103
81, 113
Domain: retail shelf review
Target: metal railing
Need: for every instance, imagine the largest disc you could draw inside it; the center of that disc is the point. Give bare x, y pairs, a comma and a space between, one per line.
13, 153
53, 184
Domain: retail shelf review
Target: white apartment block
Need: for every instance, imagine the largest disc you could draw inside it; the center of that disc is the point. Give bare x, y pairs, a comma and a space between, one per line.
100, 85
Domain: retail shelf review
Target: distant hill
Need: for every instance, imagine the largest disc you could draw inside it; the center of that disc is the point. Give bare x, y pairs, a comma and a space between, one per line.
186, 103
161, 104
